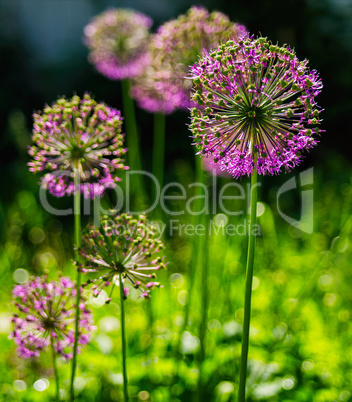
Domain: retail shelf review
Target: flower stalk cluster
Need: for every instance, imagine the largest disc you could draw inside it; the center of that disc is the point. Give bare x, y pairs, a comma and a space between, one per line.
256, 107
77, 137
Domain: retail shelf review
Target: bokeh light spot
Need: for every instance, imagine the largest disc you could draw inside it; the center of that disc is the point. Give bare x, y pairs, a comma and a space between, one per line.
20, 275
325, 282
255, 283
109, 324
176, 280
214, 325
182, 297
143, 395
79, 383
5, 323
36, 235
19, 385
330, 299
98, 301
260, 209
345, 396
288, 383
40, 385
232, 328
189, 343
105, 343
307, 365
220, 220
225, 387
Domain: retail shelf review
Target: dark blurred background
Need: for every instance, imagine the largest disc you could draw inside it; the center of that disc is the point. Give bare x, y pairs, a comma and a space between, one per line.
42, 56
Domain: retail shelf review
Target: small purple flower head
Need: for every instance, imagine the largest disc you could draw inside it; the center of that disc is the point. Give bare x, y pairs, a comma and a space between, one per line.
46, 315
257, 108
77, 136
117, 40
122, 244
164, 86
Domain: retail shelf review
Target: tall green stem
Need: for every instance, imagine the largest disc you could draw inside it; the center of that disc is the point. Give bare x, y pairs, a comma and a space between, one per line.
56, 372
199, 178
132, 139
77, 217
123, 340
248, 290
204, 263
159, 147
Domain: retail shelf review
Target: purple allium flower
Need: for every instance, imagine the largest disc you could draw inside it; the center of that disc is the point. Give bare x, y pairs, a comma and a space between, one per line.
77, 135
257, 107
122, 244
164, 87
47, 315
117, 40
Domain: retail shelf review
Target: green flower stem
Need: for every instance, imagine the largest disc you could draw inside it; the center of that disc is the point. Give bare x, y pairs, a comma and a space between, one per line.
77, 217
199, 178
123, 340
158, 172
248, 290
204, 263
159, 148
151, 319
55, 370
132, 139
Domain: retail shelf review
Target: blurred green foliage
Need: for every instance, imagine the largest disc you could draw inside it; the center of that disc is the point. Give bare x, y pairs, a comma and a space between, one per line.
301, 314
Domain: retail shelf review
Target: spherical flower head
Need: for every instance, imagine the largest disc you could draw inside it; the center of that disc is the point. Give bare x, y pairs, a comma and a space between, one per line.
46, 315
257, 108
164, 86
117, 40
77, 137
126, 245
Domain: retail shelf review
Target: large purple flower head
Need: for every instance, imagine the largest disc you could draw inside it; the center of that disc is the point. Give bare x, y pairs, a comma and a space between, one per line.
77, 136
164, 87
117, 40
47, 316
257, 107
123, 245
